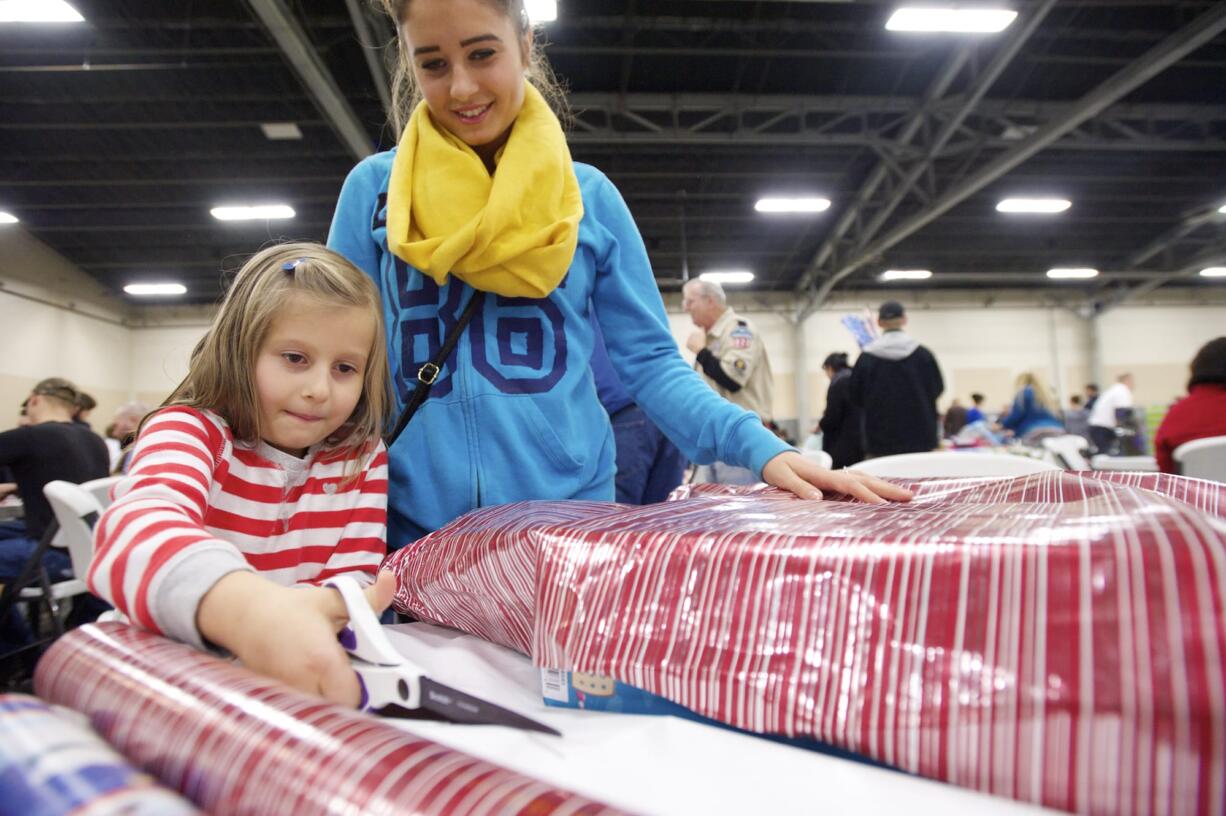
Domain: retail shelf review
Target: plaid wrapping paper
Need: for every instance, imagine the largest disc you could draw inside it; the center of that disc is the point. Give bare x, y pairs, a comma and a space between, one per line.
52, 763
235, 742
1055, 638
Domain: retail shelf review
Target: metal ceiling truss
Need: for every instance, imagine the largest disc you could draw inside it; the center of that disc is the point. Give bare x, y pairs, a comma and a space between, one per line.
860, 121
316, 79
888, 185
827, 269
1166, 249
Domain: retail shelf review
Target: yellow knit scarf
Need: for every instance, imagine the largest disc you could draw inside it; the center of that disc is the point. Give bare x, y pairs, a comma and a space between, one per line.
513, 233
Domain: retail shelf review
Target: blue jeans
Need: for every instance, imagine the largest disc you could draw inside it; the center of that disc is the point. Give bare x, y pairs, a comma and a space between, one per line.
15, 552
649, 466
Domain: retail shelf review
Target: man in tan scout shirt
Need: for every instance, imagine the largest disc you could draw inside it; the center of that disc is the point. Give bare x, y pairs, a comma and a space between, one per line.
732, 359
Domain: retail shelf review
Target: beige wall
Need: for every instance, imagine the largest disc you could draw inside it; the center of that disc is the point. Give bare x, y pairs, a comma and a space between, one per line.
159, 359
58, 322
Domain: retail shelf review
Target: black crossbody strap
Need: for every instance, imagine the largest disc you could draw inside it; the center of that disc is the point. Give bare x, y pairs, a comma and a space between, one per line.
429, 371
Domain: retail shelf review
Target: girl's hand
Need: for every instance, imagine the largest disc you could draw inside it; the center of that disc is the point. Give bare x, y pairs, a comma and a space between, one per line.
791, 471
288, 633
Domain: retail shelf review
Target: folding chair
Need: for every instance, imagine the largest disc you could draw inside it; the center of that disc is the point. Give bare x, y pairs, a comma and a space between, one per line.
76, 512
1203, 458
100, 489
1068, 450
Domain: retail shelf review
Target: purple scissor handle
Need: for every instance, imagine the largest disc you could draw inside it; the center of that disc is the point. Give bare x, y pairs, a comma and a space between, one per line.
392, 685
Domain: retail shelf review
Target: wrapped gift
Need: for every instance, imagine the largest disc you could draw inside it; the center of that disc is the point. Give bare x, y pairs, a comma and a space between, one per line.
1055, 638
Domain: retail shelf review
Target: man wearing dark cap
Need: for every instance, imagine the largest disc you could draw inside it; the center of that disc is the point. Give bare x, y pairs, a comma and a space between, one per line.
896, 383
51, 447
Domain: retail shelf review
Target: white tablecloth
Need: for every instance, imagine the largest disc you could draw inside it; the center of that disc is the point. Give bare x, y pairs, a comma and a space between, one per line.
659, 765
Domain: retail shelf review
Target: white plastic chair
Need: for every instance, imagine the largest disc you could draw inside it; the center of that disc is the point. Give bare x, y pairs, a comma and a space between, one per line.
952, 464
1203, 458
100, 489
1134, 464
820, 456
1066, 450
76, 511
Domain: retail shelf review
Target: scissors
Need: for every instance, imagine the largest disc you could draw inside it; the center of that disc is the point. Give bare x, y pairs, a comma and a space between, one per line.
394, 686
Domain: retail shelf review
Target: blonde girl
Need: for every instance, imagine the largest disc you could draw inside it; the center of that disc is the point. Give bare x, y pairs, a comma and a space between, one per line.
481, 200
261, 476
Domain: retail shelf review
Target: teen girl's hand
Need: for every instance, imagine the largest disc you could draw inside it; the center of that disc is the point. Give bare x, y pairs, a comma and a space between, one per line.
804, 477
288, 633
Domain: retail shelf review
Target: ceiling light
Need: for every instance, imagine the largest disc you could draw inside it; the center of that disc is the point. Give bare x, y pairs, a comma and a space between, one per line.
1214, 272
950, 20
257, 212
8, 218
155, 289
541, 11
792, 205
281, 131
728, 276
1063, 273
906, 274
38, 11
1033, 205
1222, 209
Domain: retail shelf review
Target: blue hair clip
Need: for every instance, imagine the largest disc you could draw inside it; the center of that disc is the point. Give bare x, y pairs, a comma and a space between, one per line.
290, 266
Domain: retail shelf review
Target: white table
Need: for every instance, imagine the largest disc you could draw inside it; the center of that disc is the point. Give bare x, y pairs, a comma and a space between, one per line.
659, 765
11, 509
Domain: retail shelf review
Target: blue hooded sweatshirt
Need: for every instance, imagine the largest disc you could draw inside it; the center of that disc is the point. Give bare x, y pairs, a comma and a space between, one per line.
514, 413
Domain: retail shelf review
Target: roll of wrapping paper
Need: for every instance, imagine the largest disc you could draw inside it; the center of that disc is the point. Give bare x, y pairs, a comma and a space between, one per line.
235, 742
52, 763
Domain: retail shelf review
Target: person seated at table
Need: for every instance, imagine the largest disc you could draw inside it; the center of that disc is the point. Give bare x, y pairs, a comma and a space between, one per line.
53, 446
975, 412
955, 419
1202, 413
85, 406
1032, 415
121, 434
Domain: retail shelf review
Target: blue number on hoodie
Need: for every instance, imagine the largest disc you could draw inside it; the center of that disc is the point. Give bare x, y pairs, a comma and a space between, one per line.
420, 335
529, 341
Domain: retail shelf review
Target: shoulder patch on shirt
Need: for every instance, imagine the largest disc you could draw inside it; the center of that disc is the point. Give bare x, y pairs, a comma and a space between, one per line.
741, 336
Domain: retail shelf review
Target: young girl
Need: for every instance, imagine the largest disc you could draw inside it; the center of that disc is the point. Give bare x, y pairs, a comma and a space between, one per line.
482, 194
261, 476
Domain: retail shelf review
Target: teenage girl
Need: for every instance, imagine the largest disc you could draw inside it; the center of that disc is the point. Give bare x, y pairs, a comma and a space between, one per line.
261, 476
481, 195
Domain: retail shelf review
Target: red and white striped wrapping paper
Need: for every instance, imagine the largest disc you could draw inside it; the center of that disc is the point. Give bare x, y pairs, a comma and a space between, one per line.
237, 743
1055, 638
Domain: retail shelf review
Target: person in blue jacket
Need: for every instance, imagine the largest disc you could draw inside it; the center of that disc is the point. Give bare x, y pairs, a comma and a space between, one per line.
1033, 412
481, 194
649, 465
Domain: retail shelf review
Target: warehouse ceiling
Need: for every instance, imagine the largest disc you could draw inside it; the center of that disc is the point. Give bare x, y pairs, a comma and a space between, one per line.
120, 134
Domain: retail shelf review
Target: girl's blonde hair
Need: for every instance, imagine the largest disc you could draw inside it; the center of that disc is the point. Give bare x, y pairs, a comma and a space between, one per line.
1042, 394
406, 94
221, 375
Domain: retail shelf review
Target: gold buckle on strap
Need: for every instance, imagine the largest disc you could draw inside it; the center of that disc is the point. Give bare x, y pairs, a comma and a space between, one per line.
428, 373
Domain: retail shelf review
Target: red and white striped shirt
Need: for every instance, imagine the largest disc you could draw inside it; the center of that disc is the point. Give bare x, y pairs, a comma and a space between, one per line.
195, 506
